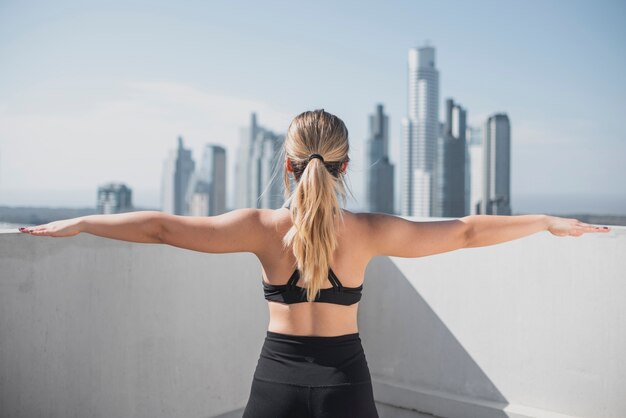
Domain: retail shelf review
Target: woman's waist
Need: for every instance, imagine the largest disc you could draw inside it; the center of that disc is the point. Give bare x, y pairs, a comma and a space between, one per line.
313, 341
313, 328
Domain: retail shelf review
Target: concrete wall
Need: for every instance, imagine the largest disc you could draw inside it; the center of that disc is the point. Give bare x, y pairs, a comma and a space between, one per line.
91, 327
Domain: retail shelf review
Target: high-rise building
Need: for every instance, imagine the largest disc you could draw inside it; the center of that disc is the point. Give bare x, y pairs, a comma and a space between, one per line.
420, 130
474, 169
206, 193
178, 169
258, 172
496, 198
449, 185
114, 198
379, 175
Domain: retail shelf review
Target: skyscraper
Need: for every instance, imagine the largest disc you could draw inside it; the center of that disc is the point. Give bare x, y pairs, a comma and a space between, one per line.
258, 172
206, 193
496, 198
177, 171
449, 184
379, 174
420, 130
114, 198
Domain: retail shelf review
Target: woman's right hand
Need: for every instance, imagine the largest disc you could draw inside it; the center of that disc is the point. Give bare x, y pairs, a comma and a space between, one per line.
64, 228
563, 227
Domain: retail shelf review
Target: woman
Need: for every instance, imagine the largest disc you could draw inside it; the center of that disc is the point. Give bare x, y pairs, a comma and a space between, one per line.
313, 255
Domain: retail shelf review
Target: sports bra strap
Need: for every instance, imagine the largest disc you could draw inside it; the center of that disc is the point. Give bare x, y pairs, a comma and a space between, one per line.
334, 279
293, 279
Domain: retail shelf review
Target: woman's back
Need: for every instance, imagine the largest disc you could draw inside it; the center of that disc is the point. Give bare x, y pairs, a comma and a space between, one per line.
350, 261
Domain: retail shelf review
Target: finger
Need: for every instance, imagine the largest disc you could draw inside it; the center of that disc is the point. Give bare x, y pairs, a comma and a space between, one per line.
594, 228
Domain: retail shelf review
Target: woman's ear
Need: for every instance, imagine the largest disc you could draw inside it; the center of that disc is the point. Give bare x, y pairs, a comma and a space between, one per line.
344, 166
288, 165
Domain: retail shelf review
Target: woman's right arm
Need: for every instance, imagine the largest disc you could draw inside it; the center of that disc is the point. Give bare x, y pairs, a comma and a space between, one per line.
141, 226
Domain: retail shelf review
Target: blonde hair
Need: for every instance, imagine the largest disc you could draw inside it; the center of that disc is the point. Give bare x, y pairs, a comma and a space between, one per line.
314, 201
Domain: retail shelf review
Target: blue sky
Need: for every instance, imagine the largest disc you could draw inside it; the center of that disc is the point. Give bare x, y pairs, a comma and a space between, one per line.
97, 93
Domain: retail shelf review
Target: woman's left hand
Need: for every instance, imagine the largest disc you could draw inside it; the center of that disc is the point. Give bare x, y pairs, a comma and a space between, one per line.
563, 227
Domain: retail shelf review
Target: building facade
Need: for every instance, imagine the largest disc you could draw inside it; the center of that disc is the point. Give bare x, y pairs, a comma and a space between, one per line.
178, 170
206, 194
496, 193
379, 175
258, 172
474, 168
449, 185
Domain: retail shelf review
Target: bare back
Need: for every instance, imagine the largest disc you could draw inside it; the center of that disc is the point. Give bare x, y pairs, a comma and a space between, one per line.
350, 261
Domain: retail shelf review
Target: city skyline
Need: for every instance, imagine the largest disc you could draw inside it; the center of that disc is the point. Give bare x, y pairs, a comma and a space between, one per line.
92, 98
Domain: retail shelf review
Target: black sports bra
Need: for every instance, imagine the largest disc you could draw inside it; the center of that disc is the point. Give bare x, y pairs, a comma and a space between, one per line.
290, 293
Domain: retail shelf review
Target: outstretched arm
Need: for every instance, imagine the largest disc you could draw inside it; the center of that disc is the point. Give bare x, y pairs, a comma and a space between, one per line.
483, 230
392, 235
240, 230
141, 226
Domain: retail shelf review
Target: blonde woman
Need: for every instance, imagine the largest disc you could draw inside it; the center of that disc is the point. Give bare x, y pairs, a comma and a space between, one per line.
313, 255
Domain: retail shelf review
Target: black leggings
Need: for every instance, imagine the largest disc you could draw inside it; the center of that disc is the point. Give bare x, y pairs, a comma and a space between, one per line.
311, 377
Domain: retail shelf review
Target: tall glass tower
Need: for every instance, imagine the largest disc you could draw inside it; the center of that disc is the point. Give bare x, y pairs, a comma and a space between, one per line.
419, 133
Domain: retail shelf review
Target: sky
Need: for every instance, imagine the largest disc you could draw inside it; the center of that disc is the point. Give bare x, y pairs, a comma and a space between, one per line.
95, 93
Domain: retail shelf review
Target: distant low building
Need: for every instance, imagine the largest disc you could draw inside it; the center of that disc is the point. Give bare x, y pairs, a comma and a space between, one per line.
114, 198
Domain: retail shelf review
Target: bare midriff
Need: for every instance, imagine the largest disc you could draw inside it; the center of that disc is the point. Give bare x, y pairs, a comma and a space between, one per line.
313, 318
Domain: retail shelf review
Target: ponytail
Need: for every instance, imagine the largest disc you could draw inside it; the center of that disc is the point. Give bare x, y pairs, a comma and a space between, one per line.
314, 204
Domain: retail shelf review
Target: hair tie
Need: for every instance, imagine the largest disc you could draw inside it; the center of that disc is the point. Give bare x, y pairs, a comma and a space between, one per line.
316, 156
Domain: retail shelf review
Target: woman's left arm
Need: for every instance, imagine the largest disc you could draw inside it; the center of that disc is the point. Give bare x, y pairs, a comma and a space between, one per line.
484, 230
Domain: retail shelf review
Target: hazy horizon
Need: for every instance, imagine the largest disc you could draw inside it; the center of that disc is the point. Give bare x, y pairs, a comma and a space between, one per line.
597, 204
